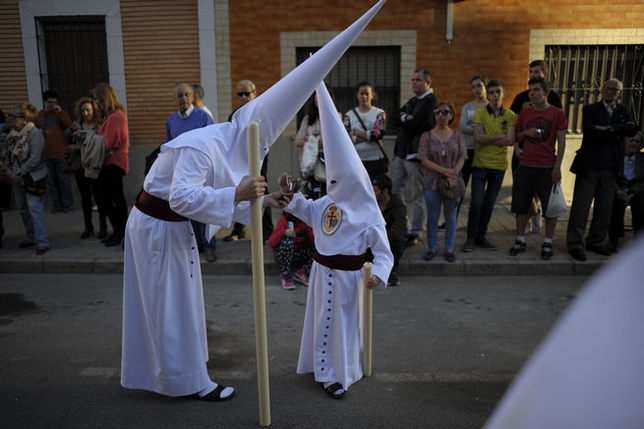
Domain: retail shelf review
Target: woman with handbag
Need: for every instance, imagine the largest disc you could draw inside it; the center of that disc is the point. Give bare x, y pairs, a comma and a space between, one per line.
88, 119
111, 198
366, 125
442, 152
28, 173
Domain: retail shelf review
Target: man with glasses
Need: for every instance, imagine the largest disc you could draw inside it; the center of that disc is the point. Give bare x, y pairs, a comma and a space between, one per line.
493, 133
186, 118
412, 120
247, 91
596, 165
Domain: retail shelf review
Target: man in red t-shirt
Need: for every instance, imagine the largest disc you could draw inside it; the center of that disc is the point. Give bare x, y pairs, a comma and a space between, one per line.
540, 128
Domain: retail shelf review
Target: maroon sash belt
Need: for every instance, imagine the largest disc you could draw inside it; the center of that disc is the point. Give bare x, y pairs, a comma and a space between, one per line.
341, 262
157, 208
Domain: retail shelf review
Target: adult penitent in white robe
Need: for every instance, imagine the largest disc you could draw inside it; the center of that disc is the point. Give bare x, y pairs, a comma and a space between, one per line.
164, 324
331, 345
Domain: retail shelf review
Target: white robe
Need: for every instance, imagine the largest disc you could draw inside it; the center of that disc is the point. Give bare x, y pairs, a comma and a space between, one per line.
164, 325
331, 345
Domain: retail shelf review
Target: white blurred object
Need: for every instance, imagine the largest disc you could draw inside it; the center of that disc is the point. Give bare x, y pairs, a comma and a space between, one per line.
589, 372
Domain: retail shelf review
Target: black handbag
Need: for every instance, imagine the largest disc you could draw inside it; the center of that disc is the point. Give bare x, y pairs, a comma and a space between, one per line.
34, 187
446, 191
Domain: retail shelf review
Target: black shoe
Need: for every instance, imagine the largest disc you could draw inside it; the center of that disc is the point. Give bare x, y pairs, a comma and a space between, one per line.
449, 257
215, 395
468, 246
429, 255
518, 248
600, 249
613, 247
87, 233
578, 254
393, 280
412, 240
336, 391
546, 251
114, 240
484, 243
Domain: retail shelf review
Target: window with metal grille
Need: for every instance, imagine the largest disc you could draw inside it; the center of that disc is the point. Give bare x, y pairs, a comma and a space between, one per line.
577, 73
379, 65
73, 56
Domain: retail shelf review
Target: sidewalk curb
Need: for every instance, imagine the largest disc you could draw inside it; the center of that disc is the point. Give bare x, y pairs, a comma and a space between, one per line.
463, 268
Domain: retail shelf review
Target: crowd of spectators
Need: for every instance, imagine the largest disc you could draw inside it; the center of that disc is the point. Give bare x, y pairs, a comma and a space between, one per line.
608, 168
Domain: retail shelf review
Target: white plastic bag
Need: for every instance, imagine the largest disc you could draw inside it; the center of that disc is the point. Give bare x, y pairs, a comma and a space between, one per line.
309, 156
557, 203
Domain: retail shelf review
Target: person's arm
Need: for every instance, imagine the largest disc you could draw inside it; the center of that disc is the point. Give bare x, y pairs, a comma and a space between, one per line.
464, 124
379, 127
493, 139
561, 148
114, 131
383, 260
36, 149
422, 117
463, 155
302, 136
65, 120
278, 233
207, 120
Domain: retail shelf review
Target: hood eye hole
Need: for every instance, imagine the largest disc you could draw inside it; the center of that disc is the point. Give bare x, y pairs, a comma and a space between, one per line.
333, 182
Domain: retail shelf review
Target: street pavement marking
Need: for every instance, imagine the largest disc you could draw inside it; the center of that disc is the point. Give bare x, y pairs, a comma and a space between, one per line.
386, 377
100, 372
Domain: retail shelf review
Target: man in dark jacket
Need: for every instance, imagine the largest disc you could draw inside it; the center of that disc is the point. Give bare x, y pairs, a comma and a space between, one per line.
596, 165
395, 213
412, 120
630, 192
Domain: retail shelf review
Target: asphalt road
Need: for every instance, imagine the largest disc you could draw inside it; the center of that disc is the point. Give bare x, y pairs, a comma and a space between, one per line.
445, 349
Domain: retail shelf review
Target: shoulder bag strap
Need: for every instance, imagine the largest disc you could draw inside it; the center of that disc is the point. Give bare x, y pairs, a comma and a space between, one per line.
382, 149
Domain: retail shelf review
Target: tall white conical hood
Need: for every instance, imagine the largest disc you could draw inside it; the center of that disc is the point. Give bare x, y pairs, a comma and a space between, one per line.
274, 109
347, 181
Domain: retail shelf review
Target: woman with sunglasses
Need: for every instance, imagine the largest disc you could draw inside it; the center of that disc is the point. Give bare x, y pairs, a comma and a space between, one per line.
27, 170
442, 152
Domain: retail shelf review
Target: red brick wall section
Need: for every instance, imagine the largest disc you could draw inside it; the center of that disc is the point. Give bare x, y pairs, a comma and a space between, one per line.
490, 37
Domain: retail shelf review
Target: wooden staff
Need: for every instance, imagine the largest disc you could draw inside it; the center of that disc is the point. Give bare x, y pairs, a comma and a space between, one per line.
257, 247
368, 320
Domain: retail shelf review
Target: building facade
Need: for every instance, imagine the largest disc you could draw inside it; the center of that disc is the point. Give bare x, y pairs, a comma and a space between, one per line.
148, 46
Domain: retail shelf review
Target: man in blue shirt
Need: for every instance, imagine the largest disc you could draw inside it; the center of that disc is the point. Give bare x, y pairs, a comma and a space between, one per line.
188, 118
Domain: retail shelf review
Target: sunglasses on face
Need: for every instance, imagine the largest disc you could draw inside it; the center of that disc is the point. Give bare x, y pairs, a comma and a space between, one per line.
244, 94
495, 92
439, 112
